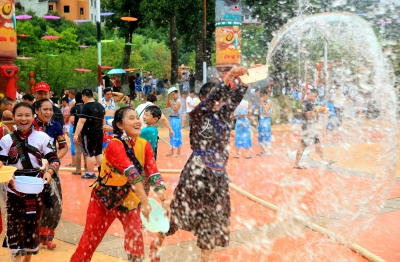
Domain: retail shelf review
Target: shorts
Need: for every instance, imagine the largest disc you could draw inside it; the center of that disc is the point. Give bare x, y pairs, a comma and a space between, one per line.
146, 90
308, 138
138, 88
93, 144
160, 90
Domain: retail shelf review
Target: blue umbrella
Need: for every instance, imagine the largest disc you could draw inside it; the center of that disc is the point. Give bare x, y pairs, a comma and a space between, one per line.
116, 71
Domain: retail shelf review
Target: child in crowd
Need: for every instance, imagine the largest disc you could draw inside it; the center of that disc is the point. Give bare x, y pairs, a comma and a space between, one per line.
150, 133
242, 128
175, 120
264, 125
184, 107
138, 84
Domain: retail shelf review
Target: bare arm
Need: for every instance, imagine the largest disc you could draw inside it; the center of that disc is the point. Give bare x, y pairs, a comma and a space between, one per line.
267, 107
79, 128
165, 121
117, 96
176, 106
62, 152
72, 119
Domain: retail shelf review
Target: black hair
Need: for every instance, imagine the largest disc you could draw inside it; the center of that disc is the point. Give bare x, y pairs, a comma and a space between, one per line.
184, 93
23, 104
118, 118
27, 97
6, 100
107, 90
137, 75
256, 90
191, 91
155, 111
263, 92
151, 98
205, 89
87, 92
65, 98
314, 91
78, 98
39, 103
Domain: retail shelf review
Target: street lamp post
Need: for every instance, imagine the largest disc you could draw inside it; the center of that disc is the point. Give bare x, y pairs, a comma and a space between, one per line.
204, 41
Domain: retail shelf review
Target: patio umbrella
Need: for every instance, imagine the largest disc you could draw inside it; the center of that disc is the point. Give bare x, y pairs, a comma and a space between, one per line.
131, 69
24, 58
22, 35
83, 46
23, 17
129, 19
116, 71
52, 55
51, 17
51, 37
107, 41
106, 14
81, 21
83, 70
107, 67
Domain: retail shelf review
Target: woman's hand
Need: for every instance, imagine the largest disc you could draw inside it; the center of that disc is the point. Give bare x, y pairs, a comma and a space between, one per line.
47, 176
166, 206
235, 72
107, 128
145, 208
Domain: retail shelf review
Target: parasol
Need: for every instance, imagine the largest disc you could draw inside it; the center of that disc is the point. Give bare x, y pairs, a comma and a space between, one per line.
106, 67
116, 71
106, 14
51, 17
83, 46
51, 37
22, 35
383, 22
24, 58
107, 41
131, 69
23, 17
81, 21
52, 55
129, 43
83, 70
129, 19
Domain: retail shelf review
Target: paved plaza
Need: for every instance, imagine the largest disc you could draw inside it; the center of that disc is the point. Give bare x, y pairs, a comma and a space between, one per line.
257, 232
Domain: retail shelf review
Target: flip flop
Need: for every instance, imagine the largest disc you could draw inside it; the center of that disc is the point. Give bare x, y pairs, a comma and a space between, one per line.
300, 167
71, 165
248, 157
236, 157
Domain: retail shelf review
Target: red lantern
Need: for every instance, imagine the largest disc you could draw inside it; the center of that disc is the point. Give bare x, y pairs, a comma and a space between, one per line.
319, 66
31, 74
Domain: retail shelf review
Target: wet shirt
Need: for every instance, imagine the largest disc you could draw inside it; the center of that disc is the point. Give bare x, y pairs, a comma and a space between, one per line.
210, 130
94, 113
307, 107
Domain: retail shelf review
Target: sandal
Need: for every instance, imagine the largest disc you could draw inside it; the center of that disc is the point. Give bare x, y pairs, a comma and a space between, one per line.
71, 165
263, 154
248, 157
236, 157
300, 167
331, 162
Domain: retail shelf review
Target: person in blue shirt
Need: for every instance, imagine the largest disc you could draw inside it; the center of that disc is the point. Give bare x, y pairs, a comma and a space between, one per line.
176, 110
264, 125
150, 133
138, 84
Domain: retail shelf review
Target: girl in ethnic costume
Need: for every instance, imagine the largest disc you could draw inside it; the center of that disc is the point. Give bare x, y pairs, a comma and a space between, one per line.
25, 149
242, 128
201, 201
175, 121
264, 125
52, 211
121, 189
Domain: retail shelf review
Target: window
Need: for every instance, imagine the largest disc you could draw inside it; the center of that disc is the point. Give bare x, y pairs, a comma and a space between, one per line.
66, 9
246, 17
92, 17
51, 8
91, 2
81, 11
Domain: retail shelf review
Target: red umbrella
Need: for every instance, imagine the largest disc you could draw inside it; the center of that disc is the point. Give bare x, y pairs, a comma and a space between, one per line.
51, 37
22, 35
51, 17
83, 46
107, 67
83, 70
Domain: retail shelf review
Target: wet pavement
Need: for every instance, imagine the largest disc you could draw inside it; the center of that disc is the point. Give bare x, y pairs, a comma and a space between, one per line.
258, 233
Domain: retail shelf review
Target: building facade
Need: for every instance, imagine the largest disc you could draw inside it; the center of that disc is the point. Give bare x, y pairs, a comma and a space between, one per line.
39, 7
70, 9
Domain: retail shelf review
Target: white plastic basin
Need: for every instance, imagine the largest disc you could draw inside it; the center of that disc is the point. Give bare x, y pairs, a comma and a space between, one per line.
157, 222
28, 184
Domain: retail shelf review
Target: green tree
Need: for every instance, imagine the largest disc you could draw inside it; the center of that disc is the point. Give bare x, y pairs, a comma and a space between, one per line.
164, 13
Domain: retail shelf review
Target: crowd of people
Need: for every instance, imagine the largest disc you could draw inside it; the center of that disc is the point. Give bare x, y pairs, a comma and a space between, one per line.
102, 130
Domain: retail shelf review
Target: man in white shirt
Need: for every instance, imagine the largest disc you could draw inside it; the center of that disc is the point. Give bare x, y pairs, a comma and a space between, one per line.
151, 101
191, 103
